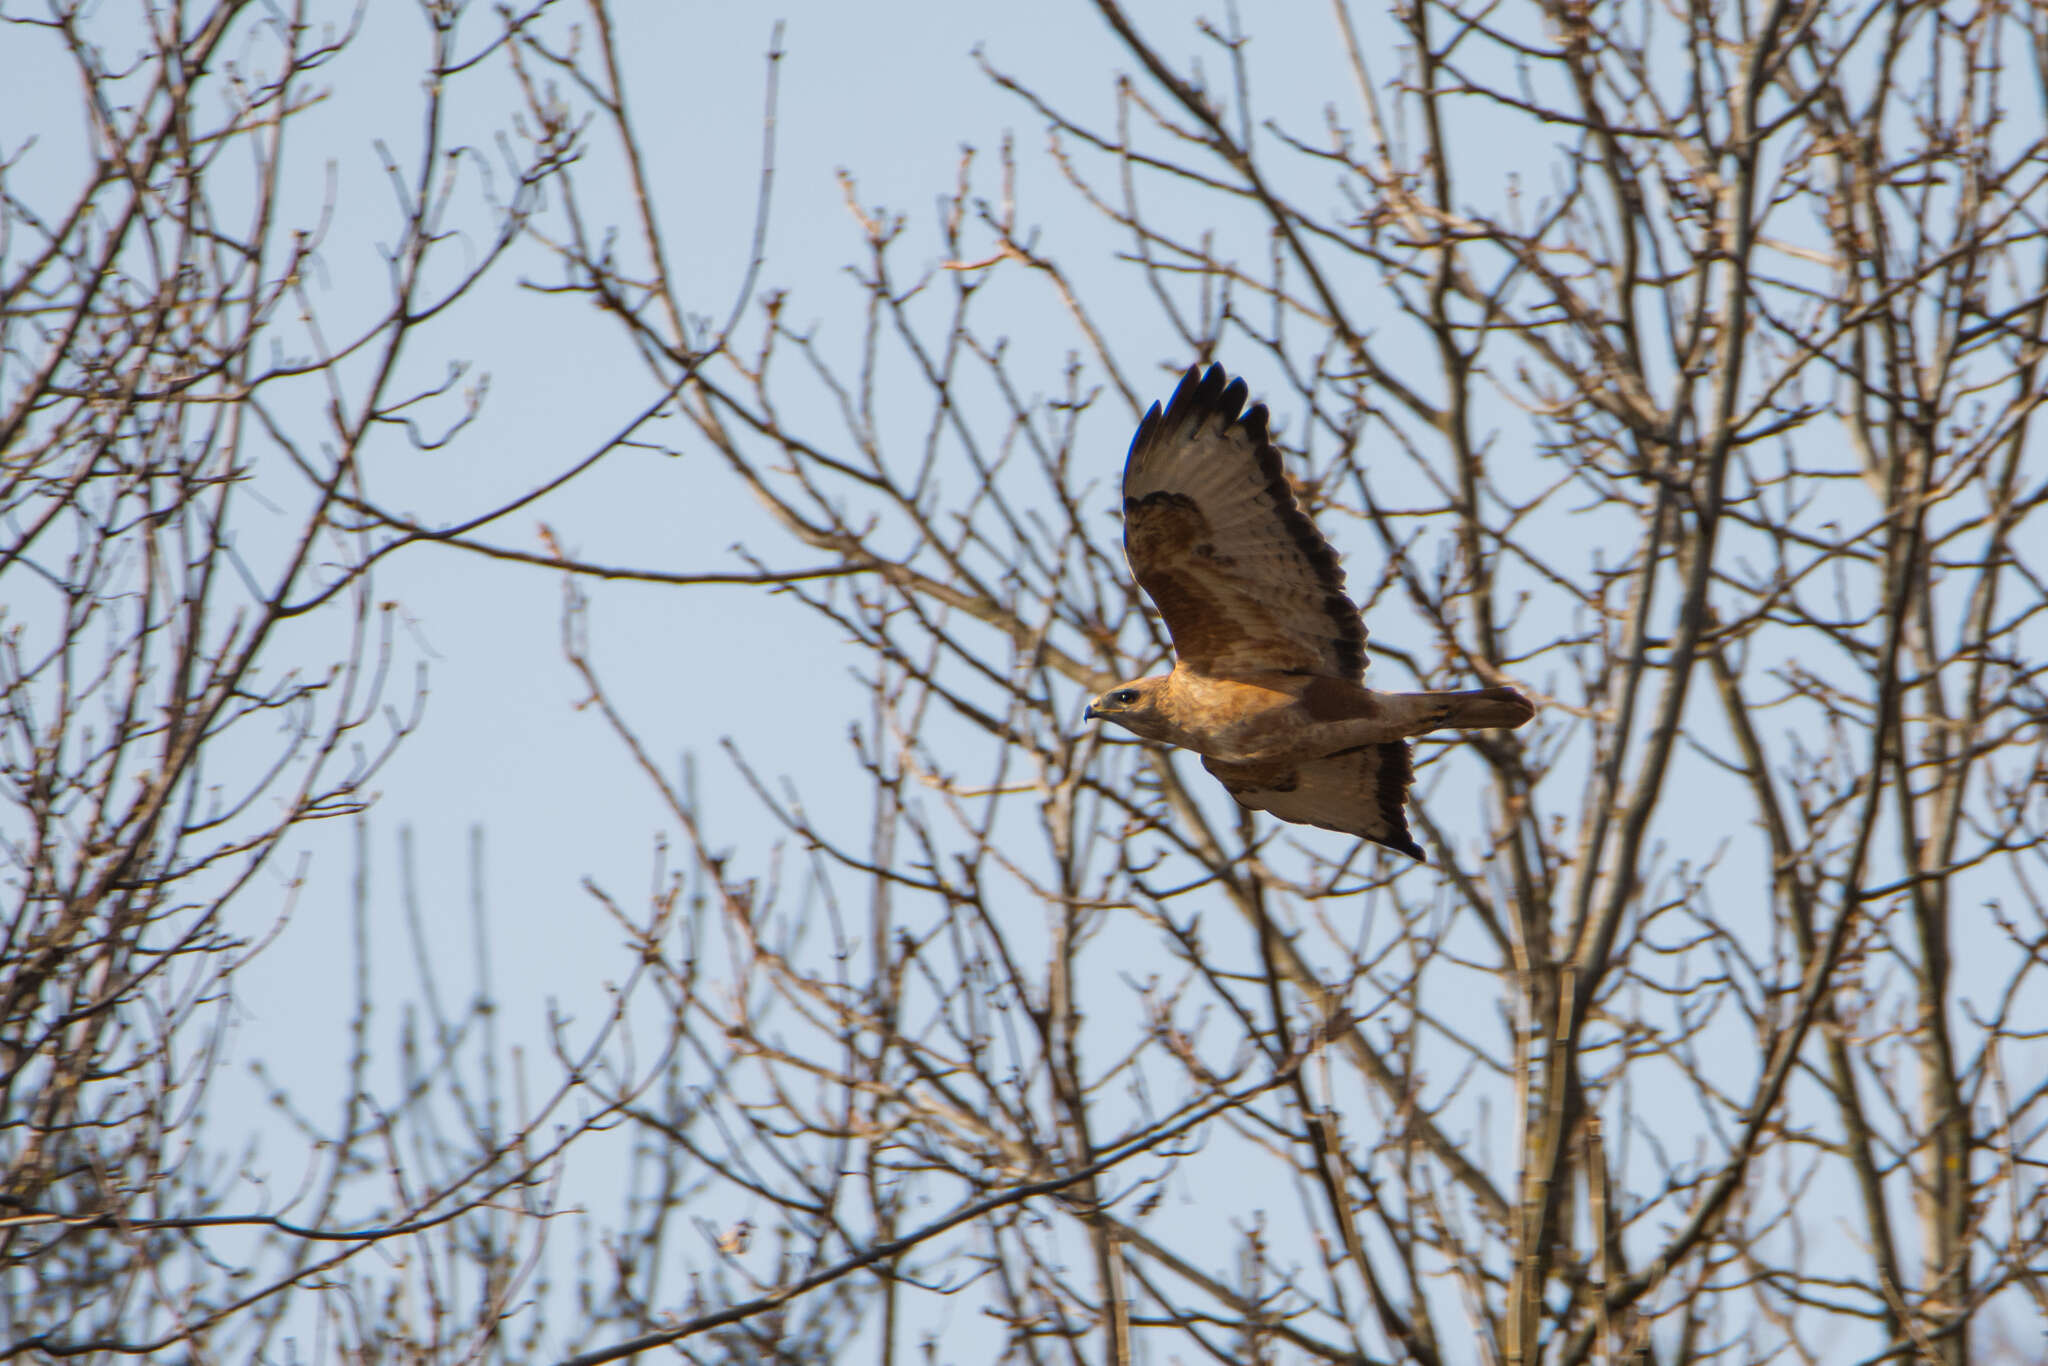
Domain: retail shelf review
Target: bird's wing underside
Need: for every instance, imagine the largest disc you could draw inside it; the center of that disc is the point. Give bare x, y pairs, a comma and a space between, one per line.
1361, 791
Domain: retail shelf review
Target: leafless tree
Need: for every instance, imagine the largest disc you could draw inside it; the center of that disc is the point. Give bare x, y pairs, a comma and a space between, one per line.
196, 668
1712, 1029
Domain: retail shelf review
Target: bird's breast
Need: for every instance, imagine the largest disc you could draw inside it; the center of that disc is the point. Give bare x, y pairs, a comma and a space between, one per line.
1229, 718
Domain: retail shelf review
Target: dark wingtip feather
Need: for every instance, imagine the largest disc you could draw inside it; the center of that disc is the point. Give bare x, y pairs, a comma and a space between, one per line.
1396, 773
1200, 394
1143, 436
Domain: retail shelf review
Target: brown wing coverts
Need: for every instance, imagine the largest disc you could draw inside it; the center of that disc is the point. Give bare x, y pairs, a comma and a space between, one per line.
1361, 791
1243, 578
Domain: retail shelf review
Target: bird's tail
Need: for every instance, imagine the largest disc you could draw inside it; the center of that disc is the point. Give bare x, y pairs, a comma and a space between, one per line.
1484, 709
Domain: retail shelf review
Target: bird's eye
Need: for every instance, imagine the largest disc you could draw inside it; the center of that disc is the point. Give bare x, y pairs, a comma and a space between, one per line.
1123, 697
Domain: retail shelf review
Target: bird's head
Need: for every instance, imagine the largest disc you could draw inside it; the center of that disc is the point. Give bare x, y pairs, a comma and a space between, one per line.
1135, 707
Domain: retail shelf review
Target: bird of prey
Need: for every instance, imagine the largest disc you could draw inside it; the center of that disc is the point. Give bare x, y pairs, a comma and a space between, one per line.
1270, 653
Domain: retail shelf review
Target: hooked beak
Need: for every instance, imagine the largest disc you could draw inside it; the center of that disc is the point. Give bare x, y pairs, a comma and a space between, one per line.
1089, 714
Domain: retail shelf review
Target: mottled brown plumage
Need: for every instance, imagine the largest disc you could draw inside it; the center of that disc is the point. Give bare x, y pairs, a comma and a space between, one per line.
1269, 649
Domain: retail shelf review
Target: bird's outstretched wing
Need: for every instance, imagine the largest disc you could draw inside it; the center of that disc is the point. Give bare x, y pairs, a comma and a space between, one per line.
1358, 791
1243, 578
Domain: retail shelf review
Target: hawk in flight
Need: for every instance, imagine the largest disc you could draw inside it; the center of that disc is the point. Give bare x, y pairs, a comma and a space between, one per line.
1269, 651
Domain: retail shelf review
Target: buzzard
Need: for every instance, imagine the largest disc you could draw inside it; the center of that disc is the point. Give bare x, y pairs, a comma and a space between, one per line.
1269, 650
